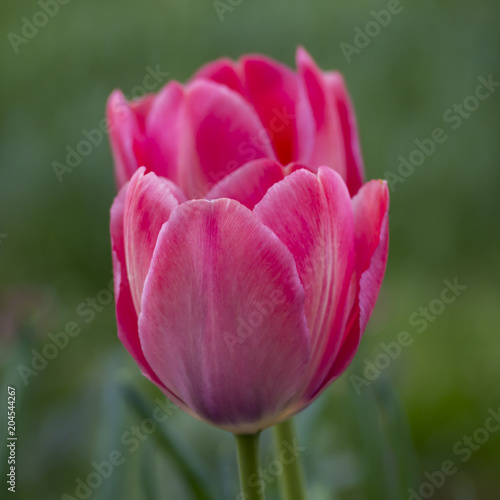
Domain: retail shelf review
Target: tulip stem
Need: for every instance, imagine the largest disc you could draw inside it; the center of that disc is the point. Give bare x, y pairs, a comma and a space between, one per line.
292, 480
247, 446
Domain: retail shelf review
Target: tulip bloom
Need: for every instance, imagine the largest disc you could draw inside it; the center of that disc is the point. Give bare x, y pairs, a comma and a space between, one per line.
247, 252
231, 113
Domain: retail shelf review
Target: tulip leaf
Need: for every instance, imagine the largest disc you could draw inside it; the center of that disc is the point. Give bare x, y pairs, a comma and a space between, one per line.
186, 465
397, 433
149, 480
112, 417
388, 453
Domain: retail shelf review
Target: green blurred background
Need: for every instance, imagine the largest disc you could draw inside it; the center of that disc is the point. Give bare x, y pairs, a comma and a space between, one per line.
370, 443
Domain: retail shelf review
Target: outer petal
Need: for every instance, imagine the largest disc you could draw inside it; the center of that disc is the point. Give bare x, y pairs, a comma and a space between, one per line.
223, 133
126, 315
249, 183
222, 321
354, 161
148, 206
312, 216
126, 134
371, 219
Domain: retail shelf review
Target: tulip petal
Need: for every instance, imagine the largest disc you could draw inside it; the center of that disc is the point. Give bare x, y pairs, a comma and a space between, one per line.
127, 137
312, 215
148, 206
249, 183
354, 162
222, 321
371, 220
166, 127
223, 132
336, 142
140, 108
126, 316
328, 146
272, 89
223, 71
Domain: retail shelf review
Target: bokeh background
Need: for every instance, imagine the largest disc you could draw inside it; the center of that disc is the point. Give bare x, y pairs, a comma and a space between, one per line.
368, 442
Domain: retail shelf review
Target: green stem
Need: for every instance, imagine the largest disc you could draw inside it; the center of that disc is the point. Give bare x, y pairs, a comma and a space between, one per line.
292, 479
247, 446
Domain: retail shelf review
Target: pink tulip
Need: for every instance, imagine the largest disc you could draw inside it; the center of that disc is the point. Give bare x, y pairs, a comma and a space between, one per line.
245, 305
231, 113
